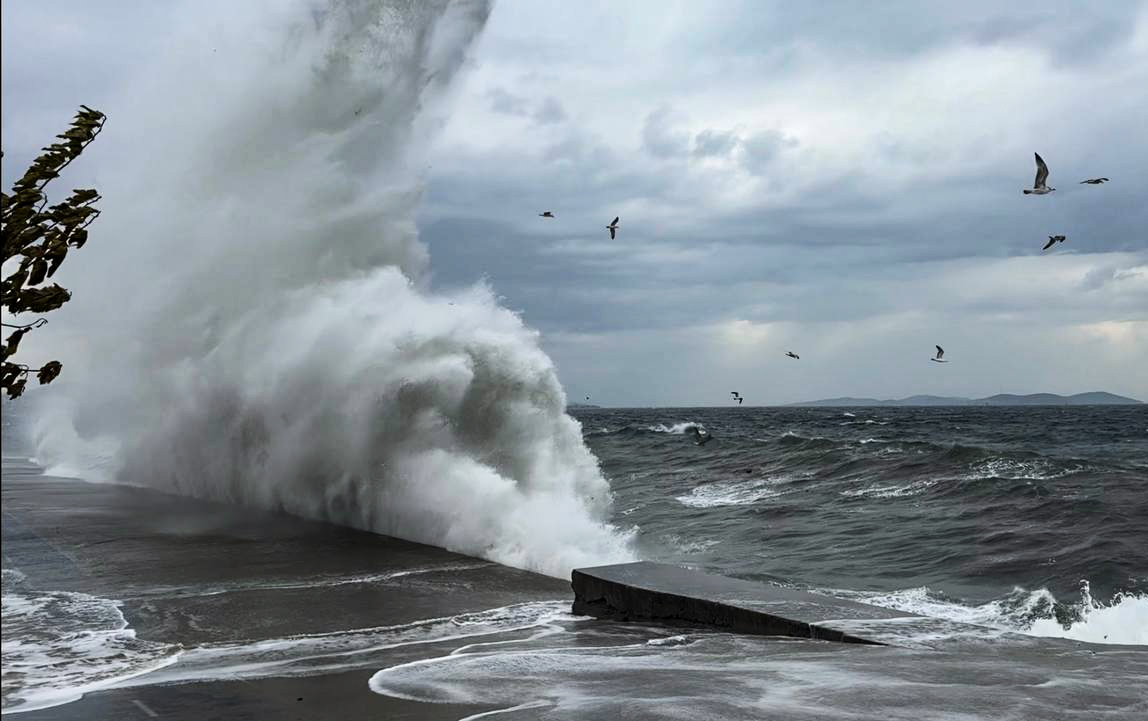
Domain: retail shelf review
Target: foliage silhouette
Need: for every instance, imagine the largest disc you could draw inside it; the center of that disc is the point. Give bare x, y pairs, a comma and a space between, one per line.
41, 236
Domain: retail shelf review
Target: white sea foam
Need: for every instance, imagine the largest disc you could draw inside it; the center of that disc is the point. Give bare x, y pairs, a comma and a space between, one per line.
58, 646
282, 348
1012, 469
795, 434
627, 674
264, 585
1124, 621
891, 491
676, 428
731, 493
687, 546
1010, 613
313, 654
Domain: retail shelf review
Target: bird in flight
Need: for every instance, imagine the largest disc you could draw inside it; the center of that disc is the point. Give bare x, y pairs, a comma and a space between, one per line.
1053, 240
939, 358
613, 227
546, 214
1094, 181
793, 355
737, 397
1040, 185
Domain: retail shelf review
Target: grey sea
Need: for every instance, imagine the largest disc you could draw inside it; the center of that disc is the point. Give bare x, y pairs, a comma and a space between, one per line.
1020, 531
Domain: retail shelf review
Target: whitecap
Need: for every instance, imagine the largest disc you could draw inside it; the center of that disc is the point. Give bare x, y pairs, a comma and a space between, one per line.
912, 489
690, 546
730, 493
1012, 469
676, 428
60, 645
1124, 621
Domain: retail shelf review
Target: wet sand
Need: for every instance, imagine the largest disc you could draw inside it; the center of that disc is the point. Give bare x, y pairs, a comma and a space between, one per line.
193, 573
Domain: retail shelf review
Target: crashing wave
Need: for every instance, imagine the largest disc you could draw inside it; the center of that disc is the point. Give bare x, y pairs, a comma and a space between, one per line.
282, 348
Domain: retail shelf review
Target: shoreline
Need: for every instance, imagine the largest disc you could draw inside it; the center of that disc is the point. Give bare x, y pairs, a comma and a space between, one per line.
213, 580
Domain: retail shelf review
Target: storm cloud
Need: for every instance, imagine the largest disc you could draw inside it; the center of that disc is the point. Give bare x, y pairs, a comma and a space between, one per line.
840, 179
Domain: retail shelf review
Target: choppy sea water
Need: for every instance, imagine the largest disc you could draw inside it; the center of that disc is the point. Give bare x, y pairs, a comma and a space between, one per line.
1028, 522
1031, 519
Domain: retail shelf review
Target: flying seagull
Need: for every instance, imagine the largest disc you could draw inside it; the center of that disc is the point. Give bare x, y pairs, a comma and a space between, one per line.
613, 227
940, 356
700, 437
1094, 181
1053, 240
546, 214
793, 355
1039, 186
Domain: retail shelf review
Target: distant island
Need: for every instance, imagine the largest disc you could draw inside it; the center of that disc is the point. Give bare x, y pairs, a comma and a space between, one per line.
1095, 398
581, 405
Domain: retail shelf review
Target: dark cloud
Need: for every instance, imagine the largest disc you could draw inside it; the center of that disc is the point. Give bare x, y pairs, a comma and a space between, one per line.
761, 149
710, 143
843, 177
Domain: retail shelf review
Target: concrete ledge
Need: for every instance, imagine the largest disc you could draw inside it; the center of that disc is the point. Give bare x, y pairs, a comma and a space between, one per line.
656, 591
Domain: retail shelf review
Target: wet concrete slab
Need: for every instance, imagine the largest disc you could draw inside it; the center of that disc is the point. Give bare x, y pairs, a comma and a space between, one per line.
208, 578
657, 591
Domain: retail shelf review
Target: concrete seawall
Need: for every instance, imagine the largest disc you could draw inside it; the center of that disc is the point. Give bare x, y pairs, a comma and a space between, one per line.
655, 591
210, 576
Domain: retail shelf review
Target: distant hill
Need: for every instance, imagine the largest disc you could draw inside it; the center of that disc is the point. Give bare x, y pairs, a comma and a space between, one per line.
1095, 398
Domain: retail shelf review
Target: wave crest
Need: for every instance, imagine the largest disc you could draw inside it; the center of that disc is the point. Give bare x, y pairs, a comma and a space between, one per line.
1035, 613
285, 351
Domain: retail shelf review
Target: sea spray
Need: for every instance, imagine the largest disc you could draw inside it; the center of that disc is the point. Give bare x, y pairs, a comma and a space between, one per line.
274, 342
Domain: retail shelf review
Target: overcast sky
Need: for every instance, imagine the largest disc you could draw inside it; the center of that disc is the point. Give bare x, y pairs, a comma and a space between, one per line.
840, 179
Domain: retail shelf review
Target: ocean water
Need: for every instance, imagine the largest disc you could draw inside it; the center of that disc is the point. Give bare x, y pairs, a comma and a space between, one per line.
1027, 523
1032, 519
287, 350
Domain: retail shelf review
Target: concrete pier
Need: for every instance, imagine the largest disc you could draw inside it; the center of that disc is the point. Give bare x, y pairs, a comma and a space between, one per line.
656, 591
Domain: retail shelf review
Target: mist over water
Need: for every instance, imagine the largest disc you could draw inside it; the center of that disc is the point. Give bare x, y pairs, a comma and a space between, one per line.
266, 333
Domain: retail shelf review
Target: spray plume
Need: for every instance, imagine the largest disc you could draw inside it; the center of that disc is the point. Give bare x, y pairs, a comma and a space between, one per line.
274, 341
